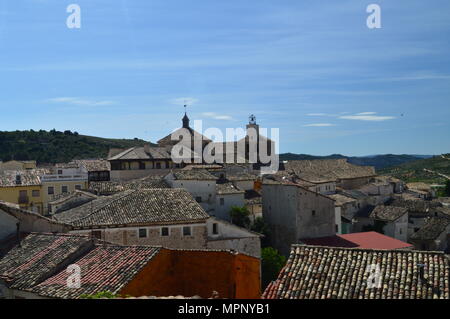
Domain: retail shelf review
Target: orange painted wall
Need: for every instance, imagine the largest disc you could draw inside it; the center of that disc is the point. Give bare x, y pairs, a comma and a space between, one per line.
189, 273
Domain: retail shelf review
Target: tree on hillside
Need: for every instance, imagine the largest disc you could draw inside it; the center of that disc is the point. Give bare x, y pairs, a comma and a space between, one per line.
447, 189
271, 264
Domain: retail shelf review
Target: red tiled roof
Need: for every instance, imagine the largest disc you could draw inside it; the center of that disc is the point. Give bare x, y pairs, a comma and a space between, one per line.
105, 268
364, 240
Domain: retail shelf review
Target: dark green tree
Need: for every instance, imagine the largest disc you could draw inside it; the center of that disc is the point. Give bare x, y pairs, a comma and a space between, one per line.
260, 226
271, 264
240, 216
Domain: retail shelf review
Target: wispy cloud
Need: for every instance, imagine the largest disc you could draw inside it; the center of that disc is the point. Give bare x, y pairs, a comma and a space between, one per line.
79, 101
184, 100
366, 116
217, 116
319, 125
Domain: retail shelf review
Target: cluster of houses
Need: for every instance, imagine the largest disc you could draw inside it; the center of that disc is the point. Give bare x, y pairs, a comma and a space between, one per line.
161, 228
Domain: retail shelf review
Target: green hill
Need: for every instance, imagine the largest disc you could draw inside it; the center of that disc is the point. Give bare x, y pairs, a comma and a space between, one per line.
414, 171
55, 146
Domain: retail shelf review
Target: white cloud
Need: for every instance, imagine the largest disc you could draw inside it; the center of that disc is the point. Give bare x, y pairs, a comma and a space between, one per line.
367, 116
367, 113
79, 101
320, 125
217, 116
316, 114
184, 100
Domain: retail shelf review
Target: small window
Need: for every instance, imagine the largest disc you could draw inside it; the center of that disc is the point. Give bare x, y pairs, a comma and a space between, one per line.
198, 199
215, 229
35, 193
60, 172
222, 201
313, 213
51, 190
64, 189
142, 232
158, 165
337, 229
78, 187
187, 231
165, 231
141, 165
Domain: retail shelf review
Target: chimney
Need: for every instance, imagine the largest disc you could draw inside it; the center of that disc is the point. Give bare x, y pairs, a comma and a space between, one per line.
18, 180
147, 148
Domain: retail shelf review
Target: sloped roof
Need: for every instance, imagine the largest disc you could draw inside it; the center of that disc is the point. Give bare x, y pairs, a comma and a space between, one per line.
315, 272
104, 268
228, 188
432, 228
95, 165
319, 171
195, 136
38, 254
195, 174
340, 199
388, 213
143, 206
139, 153
364, 240
27, 178
110, 187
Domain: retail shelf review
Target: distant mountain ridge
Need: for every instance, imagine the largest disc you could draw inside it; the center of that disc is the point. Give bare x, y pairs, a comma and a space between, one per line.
378, 161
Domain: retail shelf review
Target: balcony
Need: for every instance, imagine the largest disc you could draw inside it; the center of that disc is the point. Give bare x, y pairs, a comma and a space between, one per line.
23, 200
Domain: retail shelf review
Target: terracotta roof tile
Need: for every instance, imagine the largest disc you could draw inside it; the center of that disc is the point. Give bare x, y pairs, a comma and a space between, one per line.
314, 272
144, 206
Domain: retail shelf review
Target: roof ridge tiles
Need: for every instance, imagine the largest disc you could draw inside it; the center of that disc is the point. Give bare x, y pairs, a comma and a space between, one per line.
370, 249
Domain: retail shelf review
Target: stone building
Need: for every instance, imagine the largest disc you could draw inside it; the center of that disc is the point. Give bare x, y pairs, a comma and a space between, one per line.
167, 217
294, 212
391, 221
434, 234
199, 183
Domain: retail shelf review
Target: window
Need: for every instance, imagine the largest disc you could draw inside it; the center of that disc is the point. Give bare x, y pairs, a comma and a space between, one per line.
313, 213
78, 187
222, 201
198, 199
64, 189
142, 232
215, 229
158, 165
35, 193
187, 231
337, 228
60, 172
165, 231
50, 190
141, 165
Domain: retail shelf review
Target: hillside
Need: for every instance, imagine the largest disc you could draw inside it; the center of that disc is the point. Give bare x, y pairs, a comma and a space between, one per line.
415, 171
55, 146
378, 161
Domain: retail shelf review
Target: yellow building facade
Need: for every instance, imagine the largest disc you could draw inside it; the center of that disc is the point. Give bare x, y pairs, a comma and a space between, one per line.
24, 189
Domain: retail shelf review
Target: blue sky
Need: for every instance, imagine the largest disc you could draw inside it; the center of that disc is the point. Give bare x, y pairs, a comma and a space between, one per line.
310, 68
